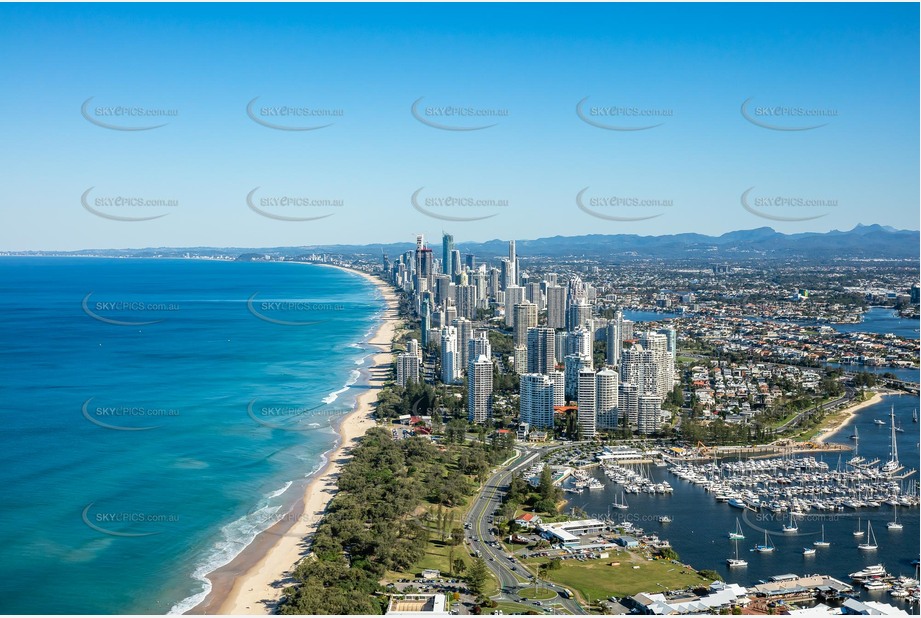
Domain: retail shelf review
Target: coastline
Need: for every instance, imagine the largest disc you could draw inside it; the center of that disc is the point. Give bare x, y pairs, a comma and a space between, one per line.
851, 413
253, 582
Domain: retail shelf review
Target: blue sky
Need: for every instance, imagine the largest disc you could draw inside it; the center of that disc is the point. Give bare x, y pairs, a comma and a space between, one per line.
687, 68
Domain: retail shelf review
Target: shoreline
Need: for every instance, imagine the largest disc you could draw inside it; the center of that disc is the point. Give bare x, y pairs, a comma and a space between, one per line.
253, 582
851, 413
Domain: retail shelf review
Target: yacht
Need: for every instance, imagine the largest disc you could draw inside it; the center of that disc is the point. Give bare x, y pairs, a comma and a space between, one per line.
895, 524
736, 562
823, 542
858, 532
767, 547
879, 421
737, 535
791, 527
870, 543
622, 504
809, 551
876, 570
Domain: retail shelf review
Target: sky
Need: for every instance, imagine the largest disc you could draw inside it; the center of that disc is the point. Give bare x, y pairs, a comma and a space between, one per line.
485, 121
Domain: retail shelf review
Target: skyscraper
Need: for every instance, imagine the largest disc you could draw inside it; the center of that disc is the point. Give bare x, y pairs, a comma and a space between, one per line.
586, 412
533, 294
628, 402
520, 358
579, 342
513, 263
657, 344
573, 364
447, 255
407, 368
606, 399
638, 367
536, 402
449, 355
524, 317
556, 306
559, 386
464, 329
479, 390
614, 339
479, 346
514, 295
580, 315
648, 414
541, 346
466, 301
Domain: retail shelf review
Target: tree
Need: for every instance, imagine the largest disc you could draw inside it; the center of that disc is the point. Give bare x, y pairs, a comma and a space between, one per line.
457, 537
459, 566
476, 575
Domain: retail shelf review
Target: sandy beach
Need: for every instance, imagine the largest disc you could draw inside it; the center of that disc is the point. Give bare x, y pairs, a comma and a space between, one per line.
253, 582
851, 412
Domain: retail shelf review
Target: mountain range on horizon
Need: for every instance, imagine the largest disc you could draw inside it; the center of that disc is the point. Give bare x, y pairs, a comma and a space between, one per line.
862, 241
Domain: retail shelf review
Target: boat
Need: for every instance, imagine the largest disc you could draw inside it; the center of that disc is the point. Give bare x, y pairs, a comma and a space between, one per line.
876, 570
899, 428
823, 542
895, 524
767, 547
858, 532
870, 544
809, 551
737, 503
736, 562
914, 415
737, 535
622, 504
878, 421
892, 466
791, 527
664, 519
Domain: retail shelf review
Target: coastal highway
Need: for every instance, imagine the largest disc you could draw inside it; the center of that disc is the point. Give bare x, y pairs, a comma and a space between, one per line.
478, 523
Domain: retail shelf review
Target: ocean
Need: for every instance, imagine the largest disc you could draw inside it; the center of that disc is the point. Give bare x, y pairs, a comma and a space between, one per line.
157, 415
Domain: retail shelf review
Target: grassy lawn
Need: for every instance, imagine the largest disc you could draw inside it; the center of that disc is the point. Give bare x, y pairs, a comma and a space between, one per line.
513, 608
533, 594
594, 579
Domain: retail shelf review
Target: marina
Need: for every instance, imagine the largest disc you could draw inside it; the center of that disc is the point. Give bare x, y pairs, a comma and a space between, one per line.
831, 497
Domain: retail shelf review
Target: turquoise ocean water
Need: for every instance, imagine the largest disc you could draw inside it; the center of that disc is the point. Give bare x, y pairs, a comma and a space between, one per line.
158, 414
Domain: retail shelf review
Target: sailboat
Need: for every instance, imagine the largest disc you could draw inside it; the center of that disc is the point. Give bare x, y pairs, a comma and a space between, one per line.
767, 547
858, 532
892, 466
895, 524
870, 544
622, 504
823, 542
736, 562
914, 415
737, 535
791, 527
855, 435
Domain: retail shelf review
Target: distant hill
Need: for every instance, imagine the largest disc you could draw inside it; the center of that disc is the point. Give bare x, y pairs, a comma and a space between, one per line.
863, 241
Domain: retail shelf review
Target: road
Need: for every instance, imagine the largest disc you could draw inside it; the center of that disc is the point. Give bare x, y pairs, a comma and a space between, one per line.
510, 574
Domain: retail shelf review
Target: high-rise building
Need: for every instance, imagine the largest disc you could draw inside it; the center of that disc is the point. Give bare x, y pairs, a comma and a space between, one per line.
614, 339
606, 399
561, 337
466, 301
536, 407
586, 412
541, 347
479, 346
524, 317
412, 347
514, 295
638, 366
426, 325
479, 389
580, 342
513, 264
449, 356
493, 284
447, 255
464, 328
573, 364
407, 368
550, 278
533, 294
580, 315
657, 343
559, 387
456, 266
648, 414
627, 328
442, 289
470, 260
628, 402
556, 306
520, 358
